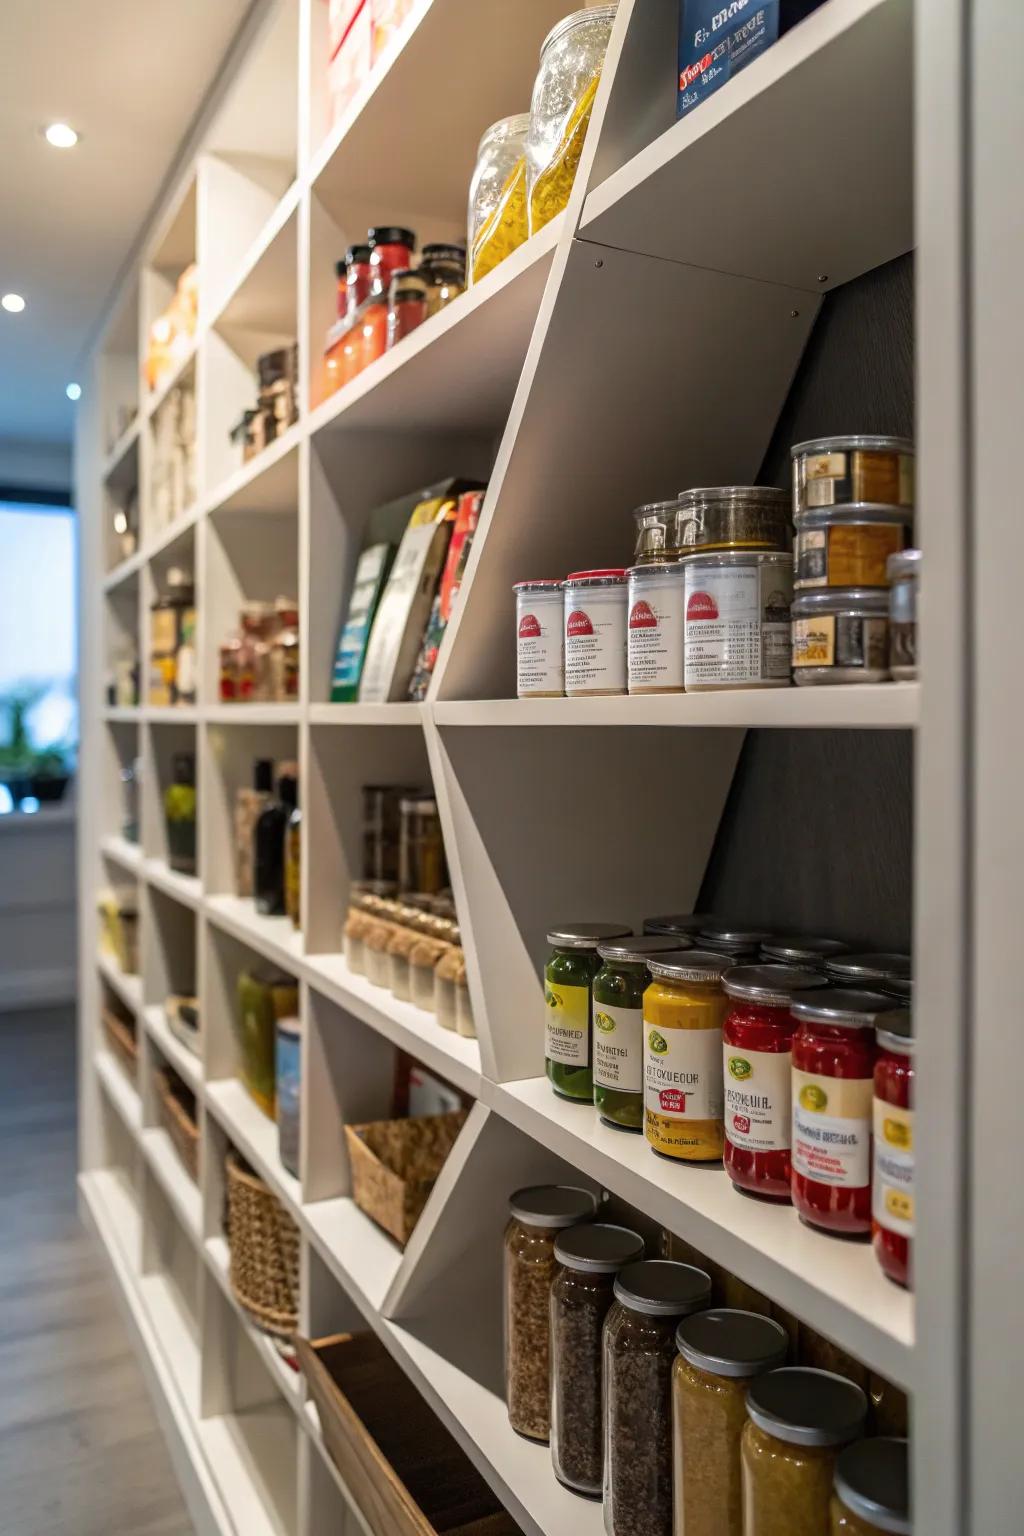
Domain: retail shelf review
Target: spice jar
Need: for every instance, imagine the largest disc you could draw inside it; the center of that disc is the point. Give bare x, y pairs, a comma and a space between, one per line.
651, 1299
443, 269
375, 949
424, 957
288, 1079
167, 626
874, 971
536, 1216
364, 904
737, 619
686, 925
391, 251
904, 571
892, 1206
657, 532
358, 282
618, 991
254, 652
421, 862
798, 1420
833, 1073
589, 1258
654, 646
449, 974
568, 977
872, 1490
563, 99
720, 1353
834, 471
732, 517
841, 635
848, 546
284, 652
465, 1024
407, 304
595, 632
756, 1040
799, 949
180, 813
498, 221
540, 643
683, 1011
741, 944
401, 943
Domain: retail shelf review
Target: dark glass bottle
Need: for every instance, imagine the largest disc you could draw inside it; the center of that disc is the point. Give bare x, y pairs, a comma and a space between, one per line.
269, 848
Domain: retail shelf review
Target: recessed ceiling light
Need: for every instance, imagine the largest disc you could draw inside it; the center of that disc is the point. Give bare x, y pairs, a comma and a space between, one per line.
74, 391
61, 136
13, 303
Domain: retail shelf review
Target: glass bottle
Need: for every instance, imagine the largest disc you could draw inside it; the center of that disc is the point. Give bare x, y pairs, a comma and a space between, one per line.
568, 978
872, 1490
684, 1007
269, 845
180, 814
892, 1214
421, 862
798, 1421
618, 990
250, 803
407, 304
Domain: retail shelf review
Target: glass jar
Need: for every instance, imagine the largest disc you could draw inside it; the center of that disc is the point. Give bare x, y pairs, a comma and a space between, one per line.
876, 972
375, 951
833, 471
130, 780
589, 1258
651, 1299
684, 1007
284, 652
498, 220
536, 1216
654, 634
571, 59
904, 572
424, 957
180, 814
756, 1039
167, 624
618, 993
656, 529
841, 635
568, 978
421, 862
358, 281
737, 629
686, 925
254, 652
732, 517
381, 830
229, 668
407, 304
401, 943
443, 269
872, 1490
742, 945
892, 1213
449, 974
799, 949
833, 1079
798, 1421
364, 903
391, 250
465, 1024
720, 1354
848, 546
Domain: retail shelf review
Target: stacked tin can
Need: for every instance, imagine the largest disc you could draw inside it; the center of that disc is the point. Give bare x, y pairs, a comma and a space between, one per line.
853, 506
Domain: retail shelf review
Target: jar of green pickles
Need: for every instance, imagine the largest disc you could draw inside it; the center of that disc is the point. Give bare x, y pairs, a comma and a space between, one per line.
568, 979
619, 988
872, 1490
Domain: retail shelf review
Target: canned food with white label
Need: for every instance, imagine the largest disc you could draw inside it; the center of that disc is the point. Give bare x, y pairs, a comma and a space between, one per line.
737, 620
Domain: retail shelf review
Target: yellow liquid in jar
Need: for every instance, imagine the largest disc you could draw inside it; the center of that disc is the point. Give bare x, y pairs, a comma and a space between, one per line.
551, 190
670, 1006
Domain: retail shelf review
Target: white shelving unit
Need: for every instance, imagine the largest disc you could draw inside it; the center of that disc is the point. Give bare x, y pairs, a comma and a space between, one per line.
561, 378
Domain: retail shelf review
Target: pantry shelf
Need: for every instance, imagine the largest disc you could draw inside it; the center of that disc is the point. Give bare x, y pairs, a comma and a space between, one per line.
288, 1382
121, 851
274, 937
187, 1065
268, 483
366, 714
157, 397
184, 888
127, 986
119, 1091
121, 714
117, 468
261, 296
362, 1258
252, 714
124, 571
170, 1174
255, 1136
182, 527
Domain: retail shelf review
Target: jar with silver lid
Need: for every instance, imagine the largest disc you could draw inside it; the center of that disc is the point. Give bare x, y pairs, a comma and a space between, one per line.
799, 949
737, 619
841, 635
571, 59
871, 1489
904, 570
833, 471
656, 531
723, 517
865, 970
740, 944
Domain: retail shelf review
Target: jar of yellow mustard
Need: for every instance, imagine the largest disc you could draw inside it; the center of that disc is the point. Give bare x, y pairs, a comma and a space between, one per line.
683, 1012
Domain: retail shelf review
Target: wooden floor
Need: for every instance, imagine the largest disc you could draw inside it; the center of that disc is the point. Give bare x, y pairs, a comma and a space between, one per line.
80, 1451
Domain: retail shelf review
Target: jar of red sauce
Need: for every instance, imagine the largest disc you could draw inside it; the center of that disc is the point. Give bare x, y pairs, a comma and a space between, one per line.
391, 250
407, 304
756, 1038
892, 1213
833, 1085
358, 281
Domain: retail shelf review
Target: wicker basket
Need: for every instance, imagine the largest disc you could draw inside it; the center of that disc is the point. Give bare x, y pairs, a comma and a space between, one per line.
395, 1164
177, 1116
264, 1244
121, 1040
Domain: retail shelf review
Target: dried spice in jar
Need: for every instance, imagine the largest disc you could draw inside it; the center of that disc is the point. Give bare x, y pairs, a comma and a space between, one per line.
872, 1490
563, 99
656, 532
618, 992
798, 1421
757, 1036
720, 1353
732, 517
651, 1299
568, 978
892, 1206
683, 1011
589, 1258
833, 1080
498, 221
848, 546
536, 1216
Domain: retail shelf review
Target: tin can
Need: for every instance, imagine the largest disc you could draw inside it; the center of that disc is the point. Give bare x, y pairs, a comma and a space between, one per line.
848, 546
905, 577
841, 635
595, 632
737, 620
654, 646
838, 471
540, 659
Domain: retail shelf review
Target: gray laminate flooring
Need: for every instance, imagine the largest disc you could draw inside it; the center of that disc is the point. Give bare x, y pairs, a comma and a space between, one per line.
80, 1450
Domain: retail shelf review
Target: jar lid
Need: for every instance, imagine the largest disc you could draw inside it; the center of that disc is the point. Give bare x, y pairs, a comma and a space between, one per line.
663, 1288
681, 922
843, 1007
905, 562
356, 254
408, 277
552, 1205
635, 951
872, 1479
897, 1032
605, 578
390, 234
598, 1248
442, 252
518, 123
763, 495
870, 600
586, 935
701, 965
868, 967
804, 1406
797, 949
728, 1342
727, 937
739, 557
901, 987
853, 440
537, 586
659, 568
854, 512
569, 23
773, 985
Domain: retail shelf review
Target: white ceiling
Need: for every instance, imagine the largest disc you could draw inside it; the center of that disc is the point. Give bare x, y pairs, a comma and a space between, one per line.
130, 76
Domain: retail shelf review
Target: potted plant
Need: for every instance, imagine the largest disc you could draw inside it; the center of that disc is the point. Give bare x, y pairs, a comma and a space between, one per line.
28, 770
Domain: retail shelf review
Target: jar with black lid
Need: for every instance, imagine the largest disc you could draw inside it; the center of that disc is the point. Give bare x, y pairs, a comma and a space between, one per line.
618, 1042
872, 1490
651, 1299
798, 1420
589, 1257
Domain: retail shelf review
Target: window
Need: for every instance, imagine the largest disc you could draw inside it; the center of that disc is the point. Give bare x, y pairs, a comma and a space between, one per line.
38, 623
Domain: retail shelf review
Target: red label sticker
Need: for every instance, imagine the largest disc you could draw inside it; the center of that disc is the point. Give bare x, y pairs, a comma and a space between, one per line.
701, 606
673, 1101
578, 623
529, 627
742, 1124
642, 616
693, 72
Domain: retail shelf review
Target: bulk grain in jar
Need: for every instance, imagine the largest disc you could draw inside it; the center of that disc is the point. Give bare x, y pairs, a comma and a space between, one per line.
684, 1007
568, 980
836, 471
737, 620
498, 219
536, 1216
840, 635
798, 1420
619, 988
872, 1490
571, 60
654, 648
595, 632
720, 1353
651, 1299
892, 1210
540, 640
588, 1258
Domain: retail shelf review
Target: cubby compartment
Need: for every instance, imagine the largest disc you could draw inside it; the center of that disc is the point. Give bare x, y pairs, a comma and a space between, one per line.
122, 512
123, 666
251, 639
170, 805
120, 789
170, 1280
250, 370
172, 476
120, 382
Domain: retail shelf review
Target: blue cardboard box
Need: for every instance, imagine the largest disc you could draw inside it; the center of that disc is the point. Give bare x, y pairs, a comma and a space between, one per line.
717, 38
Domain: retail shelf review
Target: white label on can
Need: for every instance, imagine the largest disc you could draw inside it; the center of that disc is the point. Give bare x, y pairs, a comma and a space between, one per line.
618, 1048
737, 624
655, 641
595, 639
892, 1202
832, 1129
757, 1110
540, 664
683, 1072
